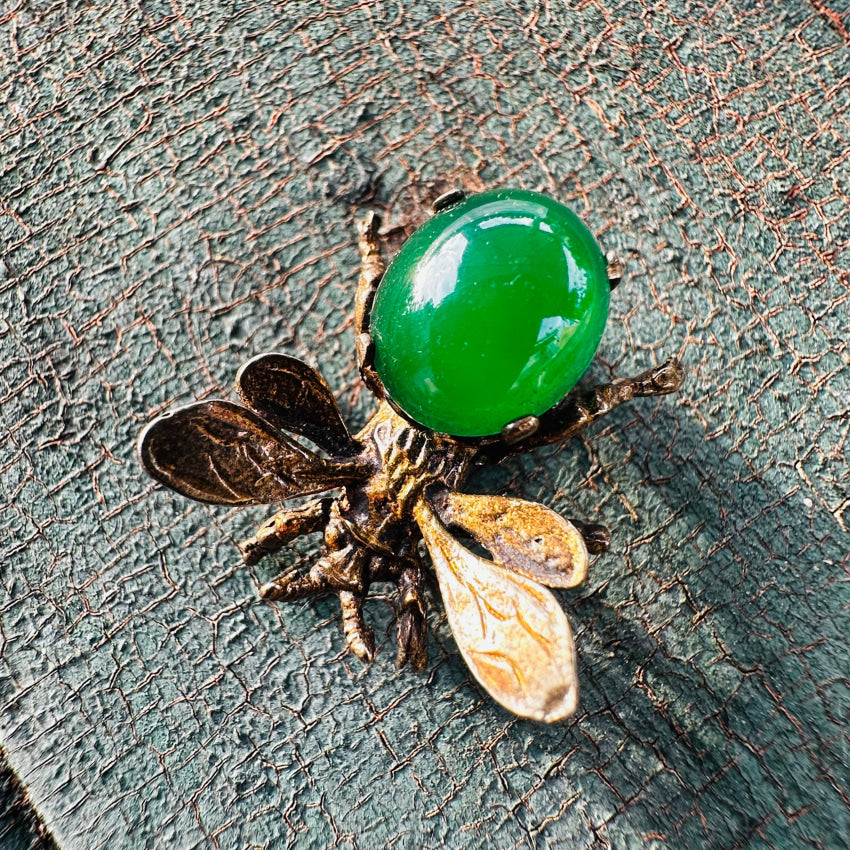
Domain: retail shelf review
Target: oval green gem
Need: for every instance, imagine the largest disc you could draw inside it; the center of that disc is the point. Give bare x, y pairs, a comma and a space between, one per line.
492, 310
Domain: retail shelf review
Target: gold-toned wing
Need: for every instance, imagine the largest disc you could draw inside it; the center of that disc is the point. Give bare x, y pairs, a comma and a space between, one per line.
523, 536
221, 452
510, 630
294, 397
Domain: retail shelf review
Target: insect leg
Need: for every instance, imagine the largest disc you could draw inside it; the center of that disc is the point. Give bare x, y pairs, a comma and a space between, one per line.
584, 407
344, 569
337, 569
359, 637
411, 620
290, 586
371, 271
340, 570
284, 527
334, 570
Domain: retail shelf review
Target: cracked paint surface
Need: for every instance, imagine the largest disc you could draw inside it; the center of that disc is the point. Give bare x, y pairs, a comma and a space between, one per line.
178, 188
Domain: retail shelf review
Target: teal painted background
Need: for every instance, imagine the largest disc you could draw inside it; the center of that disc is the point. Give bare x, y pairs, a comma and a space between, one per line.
178, 186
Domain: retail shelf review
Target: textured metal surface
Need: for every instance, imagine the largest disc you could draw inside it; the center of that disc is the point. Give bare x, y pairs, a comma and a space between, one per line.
511, 631
522, 536
225, 454
294, 398
179, 184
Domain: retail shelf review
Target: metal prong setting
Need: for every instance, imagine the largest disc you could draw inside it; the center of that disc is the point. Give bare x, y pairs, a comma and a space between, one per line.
365, 346
516, 431
615, 269
368, 226
448, 199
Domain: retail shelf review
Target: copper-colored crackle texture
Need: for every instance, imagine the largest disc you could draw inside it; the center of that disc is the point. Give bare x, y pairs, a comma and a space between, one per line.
178, 191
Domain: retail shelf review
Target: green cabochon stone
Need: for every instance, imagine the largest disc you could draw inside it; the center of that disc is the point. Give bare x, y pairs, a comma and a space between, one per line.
492, 310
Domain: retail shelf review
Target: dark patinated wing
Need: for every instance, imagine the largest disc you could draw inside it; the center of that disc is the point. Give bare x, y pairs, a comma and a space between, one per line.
294, 397
522, 536
224, 453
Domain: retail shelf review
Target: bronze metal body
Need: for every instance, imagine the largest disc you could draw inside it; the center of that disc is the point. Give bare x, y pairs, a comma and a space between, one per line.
401, 484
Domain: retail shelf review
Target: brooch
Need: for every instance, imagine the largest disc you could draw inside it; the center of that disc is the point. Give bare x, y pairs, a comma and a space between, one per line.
472, 340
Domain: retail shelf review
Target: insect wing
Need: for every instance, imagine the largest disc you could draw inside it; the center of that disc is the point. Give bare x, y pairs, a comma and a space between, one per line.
510, 630
221, 452
523, 536
294, 397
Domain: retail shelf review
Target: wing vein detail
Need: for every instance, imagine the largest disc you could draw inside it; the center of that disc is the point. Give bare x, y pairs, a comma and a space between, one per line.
510, 630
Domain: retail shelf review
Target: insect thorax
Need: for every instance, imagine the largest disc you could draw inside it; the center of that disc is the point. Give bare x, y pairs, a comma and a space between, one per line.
408, 460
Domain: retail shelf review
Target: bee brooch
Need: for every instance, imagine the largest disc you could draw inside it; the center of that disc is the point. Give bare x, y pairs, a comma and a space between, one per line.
472, 341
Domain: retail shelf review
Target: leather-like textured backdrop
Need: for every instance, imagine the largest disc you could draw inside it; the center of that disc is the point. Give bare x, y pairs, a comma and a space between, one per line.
179, 183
